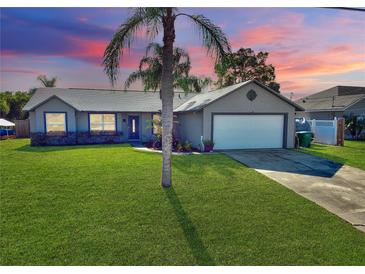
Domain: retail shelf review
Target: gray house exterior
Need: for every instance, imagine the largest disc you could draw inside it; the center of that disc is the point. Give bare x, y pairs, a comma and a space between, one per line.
245, 115
336, 102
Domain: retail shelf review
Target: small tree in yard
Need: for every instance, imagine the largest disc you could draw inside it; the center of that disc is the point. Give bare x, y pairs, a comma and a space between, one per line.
156, 20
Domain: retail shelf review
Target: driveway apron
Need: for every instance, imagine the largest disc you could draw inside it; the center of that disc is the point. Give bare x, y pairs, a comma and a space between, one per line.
338, 188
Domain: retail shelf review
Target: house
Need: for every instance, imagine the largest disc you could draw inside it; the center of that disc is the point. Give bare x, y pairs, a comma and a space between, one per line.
245, 115
336, 102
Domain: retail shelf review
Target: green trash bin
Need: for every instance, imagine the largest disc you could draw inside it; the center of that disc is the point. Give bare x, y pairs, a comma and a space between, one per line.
305, 138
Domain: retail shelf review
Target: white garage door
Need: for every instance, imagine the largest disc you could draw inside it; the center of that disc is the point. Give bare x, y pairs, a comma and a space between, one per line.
248, 131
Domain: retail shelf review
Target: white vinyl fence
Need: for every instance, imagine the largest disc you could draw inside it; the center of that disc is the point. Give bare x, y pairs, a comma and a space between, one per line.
325, 131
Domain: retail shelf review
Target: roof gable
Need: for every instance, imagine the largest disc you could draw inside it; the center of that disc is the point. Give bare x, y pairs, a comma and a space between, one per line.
200, 101
38, 103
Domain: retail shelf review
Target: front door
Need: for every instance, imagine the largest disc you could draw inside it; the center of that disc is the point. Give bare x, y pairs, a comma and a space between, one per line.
133, 127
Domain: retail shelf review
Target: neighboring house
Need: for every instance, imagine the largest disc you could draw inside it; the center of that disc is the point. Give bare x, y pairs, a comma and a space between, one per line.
245, 115
336, 102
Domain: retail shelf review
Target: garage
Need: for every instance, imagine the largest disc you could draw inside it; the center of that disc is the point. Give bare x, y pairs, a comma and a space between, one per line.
246, 115
248, 131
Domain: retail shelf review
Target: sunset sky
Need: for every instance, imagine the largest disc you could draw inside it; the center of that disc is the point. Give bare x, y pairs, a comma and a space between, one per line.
311, 48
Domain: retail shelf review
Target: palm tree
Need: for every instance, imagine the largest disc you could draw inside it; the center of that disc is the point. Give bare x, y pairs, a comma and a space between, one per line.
150, 71
156, 20
47, 82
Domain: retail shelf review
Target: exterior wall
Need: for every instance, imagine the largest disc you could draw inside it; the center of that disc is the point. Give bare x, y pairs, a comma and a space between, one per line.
301, 114
82, 121
78, 127
53, 105
237, 102
324, 115
357, 109
190, 127
32, 121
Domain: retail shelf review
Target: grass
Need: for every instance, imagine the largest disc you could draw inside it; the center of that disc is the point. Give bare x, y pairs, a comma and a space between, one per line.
352, 153
103, 205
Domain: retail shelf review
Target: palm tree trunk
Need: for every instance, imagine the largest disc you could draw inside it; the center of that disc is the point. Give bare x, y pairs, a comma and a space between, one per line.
167, 95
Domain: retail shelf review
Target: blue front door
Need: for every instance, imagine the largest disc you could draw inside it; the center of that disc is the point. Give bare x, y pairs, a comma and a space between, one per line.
133, 127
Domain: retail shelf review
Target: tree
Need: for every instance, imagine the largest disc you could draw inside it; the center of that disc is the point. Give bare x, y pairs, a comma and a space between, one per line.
4, 104
150, 71
355, 125
51, 82
245, 65
156, 20
11, 104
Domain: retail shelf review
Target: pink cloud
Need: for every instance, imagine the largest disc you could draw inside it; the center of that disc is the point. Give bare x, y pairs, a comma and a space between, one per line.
7, 53
303, 53
93, 51
262, 35
22, 71
339, 59
202, 63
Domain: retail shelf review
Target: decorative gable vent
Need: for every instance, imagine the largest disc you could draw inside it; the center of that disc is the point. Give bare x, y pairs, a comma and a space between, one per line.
251, 95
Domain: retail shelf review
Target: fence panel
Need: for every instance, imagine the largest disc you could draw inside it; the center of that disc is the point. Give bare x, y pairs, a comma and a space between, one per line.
22, 128
328, 132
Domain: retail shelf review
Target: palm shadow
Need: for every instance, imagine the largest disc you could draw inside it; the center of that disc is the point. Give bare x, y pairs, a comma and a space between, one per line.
196, 245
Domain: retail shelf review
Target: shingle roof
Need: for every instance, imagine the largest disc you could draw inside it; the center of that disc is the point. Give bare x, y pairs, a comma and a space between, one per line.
200, 101
104, 100
134, 101
334, 99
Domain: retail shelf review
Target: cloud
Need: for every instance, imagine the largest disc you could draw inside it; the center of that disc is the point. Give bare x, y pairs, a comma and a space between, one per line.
202, 63
61, 35
305, 45
262, 35
302, 51
21, 71
93, 50
337, 59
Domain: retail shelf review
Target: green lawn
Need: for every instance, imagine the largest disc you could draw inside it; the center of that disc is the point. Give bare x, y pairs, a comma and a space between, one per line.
352, 153
103, 205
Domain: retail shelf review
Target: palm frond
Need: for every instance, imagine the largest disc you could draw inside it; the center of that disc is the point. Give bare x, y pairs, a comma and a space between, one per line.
47, 82
182, 68
121, 39
192, 83
133, 77
124, 36
157, 49
213, 38
154, 18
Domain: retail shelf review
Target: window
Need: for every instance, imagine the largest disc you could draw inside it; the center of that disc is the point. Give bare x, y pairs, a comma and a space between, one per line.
102, 123
156, 124
55, 123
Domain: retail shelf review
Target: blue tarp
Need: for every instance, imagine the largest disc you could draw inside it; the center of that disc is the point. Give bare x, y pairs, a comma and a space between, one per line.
9, 132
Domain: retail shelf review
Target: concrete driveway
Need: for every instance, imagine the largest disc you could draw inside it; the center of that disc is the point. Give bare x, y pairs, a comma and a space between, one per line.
338, 188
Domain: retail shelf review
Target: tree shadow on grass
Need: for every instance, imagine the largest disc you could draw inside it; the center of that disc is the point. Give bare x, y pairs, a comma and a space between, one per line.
195, 243
29, 148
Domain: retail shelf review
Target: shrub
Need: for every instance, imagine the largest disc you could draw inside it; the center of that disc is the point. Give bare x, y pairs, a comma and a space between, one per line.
188, 147
208, 145
156, 141
179, 147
